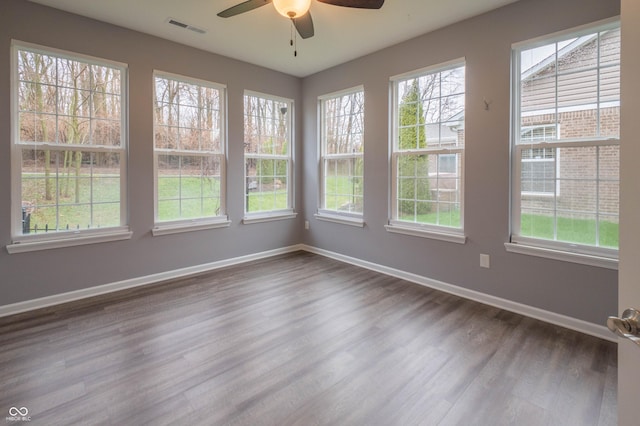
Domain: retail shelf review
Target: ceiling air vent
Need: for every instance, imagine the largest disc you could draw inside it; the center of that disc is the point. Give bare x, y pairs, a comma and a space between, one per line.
186, 26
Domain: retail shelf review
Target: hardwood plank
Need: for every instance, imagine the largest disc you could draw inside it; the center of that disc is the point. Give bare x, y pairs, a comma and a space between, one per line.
299, 339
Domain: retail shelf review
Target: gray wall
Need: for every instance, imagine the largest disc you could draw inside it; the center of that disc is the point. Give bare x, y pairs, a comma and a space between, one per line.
31, 275
578, 291
582, 292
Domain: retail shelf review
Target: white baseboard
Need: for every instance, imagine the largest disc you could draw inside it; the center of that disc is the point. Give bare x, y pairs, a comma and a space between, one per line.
529, 311
71, 296
585, 327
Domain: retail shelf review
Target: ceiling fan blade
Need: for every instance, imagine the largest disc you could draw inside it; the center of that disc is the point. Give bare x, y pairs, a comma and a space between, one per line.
304, 25
243, 7
360, 4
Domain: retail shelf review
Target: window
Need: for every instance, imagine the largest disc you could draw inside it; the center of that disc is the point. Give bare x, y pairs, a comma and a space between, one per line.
69, 150
342, 149
267, 157
189, 154
565, 184
428, 152
539, 165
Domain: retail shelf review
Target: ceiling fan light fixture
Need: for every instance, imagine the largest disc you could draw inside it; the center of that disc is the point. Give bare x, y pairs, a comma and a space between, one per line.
292, 8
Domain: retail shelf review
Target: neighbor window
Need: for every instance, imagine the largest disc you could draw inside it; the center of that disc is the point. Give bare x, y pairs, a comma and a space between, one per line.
566, 183
189, 154
341, 155
268, 189
428, 152
69, 151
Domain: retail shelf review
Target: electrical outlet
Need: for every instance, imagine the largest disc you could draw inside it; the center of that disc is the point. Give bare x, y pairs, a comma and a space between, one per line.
306, 224
485, 261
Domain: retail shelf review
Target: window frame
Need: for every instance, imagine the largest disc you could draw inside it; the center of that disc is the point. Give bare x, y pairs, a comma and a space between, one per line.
559, 250
333, 215
21, 243
274, 214
172, 226
425, 230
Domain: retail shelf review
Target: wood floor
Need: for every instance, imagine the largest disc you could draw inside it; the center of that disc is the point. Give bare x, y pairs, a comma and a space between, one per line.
299, 340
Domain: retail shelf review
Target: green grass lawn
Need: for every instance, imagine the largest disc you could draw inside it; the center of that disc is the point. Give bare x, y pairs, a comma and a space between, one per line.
451, 218
579, 231
178, 198
265, 201
105, 211
341, 190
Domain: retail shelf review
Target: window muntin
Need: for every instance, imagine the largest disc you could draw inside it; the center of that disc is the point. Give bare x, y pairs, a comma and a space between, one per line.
189, 149
69, 145
342, 151
428, 148
573, 82
267, 154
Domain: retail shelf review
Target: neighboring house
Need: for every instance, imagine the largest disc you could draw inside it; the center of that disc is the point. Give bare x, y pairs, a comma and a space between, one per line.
444, 169
551, 176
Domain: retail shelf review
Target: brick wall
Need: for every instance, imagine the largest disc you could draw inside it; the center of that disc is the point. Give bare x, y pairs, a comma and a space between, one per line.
578, 167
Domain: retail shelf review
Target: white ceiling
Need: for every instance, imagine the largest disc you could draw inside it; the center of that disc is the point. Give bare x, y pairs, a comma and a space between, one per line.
262, 36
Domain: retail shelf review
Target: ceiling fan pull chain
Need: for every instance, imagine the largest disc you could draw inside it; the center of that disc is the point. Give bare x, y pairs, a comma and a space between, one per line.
294, 39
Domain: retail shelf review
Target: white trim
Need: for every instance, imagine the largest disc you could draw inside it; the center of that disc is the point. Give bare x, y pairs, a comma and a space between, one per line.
66, 54
341, 219
268, 217
340, 93
71, 296
540, 314
442, 233
66, 240
583, 254
44, 241
562, 255
187, 79
598, 26
441, 67
177, 228
581, 326
324, 158
452, 237
180, 224
289, 119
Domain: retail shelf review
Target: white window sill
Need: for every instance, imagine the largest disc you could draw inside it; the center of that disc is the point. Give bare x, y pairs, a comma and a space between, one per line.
268, 217
177, 228
562, 255
452, 237
342, 219
68, 240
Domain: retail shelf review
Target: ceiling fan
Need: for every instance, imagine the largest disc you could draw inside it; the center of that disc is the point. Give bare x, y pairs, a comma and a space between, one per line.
298, 10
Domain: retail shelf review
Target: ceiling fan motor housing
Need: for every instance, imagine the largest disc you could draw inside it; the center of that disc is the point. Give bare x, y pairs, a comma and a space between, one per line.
292, 8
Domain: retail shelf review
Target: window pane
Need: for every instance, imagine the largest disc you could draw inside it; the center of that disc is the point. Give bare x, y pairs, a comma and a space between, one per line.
537, 223
343, 118
610, 47
343, 189
430, 116
570, 90
187, 117
538, 171
587, 58
266, 142
71, 189
343, 133
70, 102
429, 194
